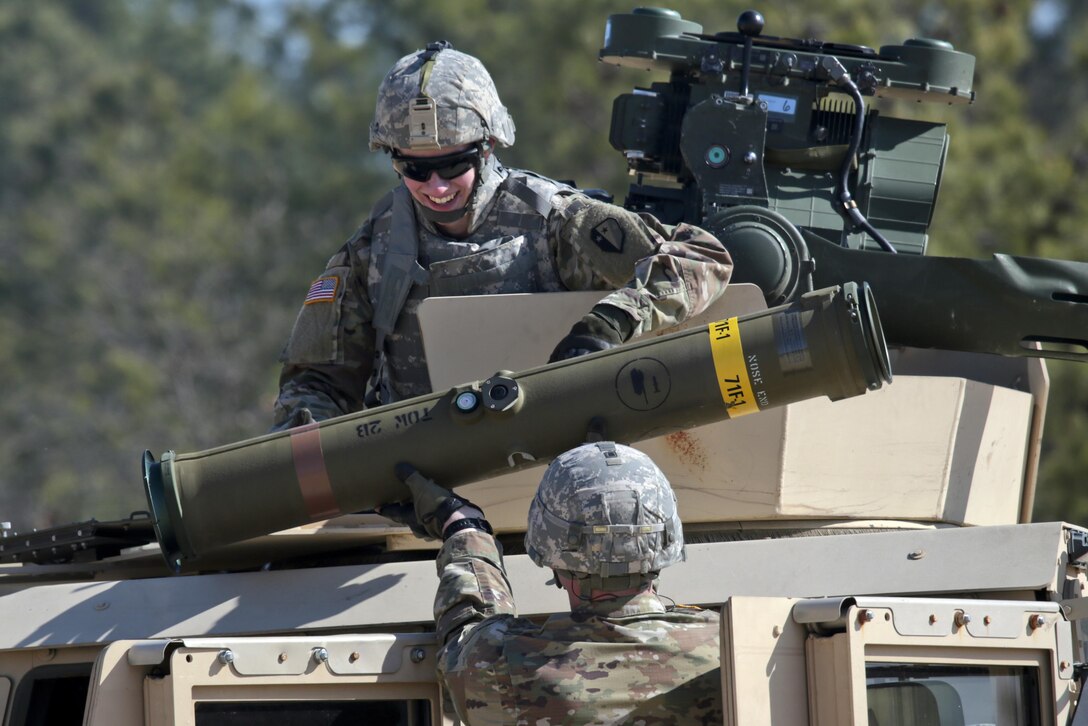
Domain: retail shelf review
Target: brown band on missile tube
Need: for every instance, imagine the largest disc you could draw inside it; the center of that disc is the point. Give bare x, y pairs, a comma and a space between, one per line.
313, 478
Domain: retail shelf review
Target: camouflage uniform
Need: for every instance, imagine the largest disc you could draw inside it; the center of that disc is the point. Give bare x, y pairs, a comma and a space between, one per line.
664, 275
526, 234
605, 514
628, 660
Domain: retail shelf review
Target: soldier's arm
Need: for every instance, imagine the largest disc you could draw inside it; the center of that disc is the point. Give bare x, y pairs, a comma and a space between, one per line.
661, 274
471, 660
472, 589
328, 358
472, 584
315, 393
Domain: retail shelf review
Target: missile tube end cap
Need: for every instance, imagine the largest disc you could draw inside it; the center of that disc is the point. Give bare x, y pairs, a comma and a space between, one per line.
154, 488
881, 371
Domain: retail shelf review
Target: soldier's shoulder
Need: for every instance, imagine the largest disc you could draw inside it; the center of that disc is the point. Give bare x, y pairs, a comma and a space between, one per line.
382, 209
486, 641
377, 220
694, 614
544, 187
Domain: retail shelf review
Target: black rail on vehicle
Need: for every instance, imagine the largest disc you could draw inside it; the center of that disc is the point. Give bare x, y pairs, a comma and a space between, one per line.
79, 542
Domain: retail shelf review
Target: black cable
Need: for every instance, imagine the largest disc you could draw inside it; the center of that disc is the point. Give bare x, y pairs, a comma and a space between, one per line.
849, 207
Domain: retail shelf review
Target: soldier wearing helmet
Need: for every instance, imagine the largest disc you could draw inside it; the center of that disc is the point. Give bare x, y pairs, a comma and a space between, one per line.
604, 520
460, 223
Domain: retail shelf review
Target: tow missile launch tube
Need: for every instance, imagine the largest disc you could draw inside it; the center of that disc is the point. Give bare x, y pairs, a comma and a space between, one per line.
829, 343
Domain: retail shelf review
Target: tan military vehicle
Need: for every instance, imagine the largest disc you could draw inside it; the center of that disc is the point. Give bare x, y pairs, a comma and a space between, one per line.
872, 556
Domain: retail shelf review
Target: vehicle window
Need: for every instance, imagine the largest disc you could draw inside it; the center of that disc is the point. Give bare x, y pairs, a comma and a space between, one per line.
951, 695
52, 696
313, 713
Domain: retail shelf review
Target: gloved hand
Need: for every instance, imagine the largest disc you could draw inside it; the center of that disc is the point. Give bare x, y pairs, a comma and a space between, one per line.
430, 507
601, 328
298, 417
302, 417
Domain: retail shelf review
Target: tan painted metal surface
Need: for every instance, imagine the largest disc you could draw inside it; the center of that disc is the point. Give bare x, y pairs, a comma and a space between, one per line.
763, 663
398, 596
117, 688
926, 630
288, 670
470, 337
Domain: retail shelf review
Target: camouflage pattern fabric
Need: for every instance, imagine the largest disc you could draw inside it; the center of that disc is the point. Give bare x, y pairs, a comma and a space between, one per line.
604, 509
672, 273
629, 660
466, 103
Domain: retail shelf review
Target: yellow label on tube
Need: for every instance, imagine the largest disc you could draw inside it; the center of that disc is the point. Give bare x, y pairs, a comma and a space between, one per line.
732, 373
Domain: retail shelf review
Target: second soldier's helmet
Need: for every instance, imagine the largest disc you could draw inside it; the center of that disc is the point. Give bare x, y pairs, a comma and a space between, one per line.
438, 97
604, 510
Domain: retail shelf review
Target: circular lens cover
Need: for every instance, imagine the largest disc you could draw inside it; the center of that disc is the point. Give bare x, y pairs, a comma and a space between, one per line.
467, 401
716, 156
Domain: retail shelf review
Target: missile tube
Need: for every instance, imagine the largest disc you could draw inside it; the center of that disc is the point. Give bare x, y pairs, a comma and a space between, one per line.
828, 343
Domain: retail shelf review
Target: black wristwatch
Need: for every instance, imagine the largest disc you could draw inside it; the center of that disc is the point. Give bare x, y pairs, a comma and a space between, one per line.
468, 523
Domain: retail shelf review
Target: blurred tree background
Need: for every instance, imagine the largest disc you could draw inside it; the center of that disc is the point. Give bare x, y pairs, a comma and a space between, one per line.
173, 173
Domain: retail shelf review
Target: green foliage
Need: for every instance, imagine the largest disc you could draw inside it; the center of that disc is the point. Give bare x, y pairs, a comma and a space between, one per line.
174, 172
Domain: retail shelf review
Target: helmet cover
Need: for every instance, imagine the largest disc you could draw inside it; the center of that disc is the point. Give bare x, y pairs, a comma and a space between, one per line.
438, 97
604, 510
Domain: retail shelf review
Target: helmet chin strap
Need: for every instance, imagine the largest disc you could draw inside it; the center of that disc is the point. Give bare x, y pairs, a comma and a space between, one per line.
482, 191
437, 217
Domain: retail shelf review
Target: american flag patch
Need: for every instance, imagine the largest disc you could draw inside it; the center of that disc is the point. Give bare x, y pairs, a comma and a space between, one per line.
323, 290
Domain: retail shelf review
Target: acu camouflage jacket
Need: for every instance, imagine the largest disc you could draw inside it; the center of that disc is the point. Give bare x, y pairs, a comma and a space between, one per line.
537, 235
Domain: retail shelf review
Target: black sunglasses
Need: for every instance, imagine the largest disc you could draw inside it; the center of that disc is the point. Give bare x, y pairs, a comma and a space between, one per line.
448, 166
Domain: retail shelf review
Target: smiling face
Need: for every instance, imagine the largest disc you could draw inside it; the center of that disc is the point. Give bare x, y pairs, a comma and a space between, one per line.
438, 193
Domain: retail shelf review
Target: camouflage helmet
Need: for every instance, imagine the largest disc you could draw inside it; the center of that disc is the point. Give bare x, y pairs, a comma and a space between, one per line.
604, 510
438, 97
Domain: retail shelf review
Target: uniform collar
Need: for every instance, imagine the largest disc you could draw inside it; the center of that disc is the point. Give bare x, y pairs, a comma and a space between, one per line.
643, 603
